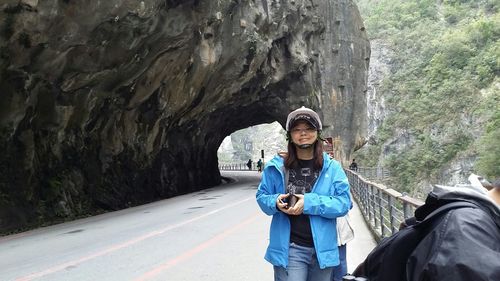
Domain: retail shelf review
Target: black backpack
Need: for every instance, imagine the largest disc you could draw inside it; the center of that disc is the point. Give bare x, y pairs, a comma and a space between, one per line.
388, 260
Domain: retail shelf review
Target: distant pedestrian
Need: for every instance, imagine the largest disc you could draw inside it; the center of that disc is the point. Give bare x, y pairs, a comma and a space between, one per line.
249, 164
354, 165
259, 165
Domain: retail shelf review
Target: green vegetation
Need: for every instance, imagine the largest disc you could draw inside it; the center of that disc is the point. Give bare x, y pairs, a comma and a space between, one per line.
488, 146
443, 88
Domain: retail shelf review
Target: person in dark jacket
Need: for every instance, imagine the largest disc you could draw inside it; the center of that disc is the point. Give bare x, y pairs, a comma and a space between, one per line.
259, 165
465, 246
353, 166
249, 164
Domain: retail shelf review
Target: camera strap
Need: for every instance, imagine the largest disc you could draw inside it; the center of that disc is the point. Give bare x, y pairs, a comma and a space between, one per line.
286, 173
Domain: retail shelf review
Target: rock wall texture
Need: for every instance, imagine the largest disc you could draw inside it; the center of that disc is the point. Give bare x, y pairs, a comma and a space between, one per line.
109, 104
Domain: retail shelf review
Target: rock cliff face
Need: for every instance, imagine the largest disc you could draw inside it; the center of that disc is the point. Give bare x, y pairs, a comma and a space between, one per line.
108, 104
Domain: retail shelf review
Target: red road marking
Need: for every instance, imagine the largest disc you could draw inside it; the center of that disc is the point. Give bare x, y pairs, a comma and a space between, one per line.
123, 245
190, 253
13, 236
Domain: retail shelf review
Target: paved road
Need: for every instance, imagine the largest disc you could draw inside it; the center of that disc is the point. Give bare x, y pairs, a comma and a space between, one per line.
216, 234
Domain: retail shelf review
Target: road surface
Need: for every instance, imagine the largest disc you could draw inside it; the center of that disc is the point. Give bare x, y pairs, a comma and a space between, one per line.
217, 234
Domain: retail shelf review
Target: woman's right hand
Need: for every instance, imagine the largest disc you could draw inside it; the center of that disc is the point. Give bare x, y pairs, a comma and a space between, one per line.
283, 206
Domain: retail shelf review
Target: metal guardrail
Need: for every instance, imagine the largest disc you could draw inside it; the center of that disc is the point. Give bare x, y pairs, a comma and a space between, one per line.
379, 173
237, 167
383, 208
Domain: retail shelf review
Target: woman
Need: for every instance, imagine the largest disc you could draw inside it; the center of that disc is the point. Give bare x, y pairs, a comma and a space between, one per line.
305, 191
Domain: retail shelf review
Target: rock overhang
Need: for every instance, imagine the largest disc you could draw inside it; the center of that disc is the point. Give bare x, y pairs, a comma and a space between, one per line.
108, 105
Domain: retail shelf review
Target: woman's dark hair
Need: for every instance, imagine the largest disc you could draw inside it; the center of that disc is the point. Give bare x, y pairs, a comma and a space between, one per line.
291, 159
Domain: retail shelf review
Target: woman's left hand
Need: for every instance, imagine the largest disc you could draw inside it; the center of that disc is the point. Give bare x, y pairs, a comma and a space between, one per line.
299, 206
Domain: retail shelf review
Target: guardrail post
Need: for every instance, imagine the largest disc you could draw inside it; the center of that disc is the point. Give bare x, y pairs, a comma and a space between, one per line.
381, 213
367, 200
375, 208
406, 210
391, 213
370, 203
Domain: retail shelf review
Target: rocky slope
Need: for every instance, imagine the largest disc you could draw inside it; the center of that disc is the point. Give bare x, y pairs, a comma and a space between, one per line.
433, 91
108, 104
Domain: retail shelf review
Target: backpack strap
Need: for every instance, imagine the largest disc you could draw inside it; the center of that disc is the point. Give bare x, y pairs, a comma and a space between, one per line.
433, 211
446, 207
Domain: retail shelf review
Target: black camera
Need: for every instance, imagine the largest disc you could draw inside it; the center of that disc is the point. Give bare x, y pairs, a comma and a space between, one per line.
292, 199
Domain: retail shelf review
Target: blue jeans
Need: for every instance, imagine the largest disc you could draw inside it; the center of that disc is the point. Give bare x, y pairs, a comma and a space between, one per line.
340, 270
302, 266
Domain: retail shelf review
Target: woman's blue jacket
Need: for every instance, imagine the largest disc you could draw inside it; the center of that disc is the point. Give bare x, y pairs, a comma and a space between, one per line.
328, 200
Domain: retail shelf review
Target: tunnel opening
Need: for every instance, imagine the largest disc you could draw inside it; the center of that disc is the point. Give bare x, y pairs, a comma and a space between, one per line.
261, 141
